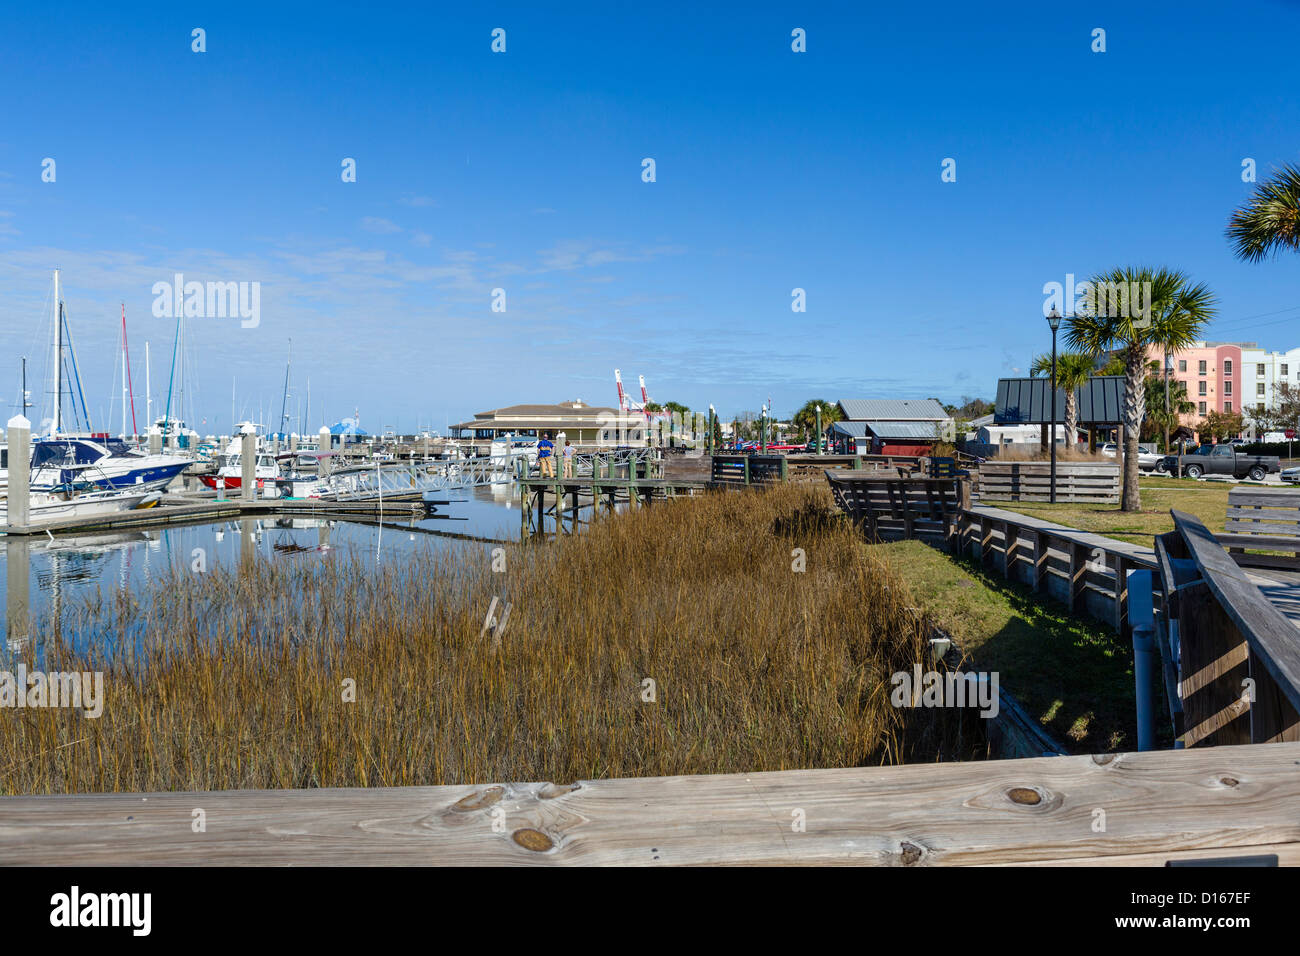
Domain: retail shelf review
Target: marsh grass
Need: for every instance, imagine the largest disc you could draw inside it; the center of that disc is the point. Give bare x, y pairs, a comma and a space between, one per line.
235, 678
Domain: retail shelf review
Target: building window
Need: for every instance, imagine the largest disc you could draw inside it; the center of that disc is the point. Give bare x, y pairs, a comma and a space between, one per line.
1259, 388
1182, 365
1227, 388
1227, 366
1284, 370
1200, 388
1259, 369
1259, 406
1200, 367
1202, 408
1227, 407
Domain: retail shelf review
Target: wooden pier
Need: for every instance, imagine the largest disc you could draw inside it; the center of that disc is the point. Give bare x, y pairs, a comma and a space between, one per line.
601, 494
1158, 807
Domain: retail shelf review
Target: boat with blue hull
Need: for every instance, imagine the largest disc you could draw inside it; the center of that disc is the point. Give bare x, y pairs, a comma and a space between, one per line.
100, 462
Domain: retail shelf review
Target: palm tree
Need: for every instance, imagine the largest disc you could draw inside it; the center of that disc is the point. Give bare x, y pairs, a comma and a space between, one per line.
1175, 313
1270, 220
1073, 369
806, 418
1156, 420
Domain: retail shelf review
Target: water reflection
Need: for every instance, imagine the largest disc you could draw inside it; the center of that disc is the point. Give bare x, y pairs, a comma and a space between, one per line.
46, 575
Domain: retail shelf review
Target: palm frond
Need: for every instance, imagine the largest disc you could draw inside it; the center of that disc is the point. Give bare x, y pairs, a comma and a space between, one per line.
1269, 221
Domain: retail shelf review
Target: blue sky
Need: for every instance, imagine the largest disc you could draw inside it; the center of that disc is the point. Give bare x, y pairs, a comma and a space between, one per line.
522, 171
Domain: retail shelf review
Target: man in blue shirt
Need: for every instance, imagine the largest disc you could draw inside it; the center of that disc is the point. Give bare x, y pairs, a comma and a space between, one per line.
546, 456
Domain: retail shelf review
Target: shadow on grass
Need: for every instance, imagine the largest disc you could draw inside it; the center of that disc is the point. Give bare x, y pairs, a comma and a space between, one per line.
1072, 674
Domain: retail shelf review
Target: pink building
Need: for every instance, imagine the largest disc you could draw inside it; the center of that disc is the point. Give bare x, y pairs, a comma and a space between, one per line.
1213, 375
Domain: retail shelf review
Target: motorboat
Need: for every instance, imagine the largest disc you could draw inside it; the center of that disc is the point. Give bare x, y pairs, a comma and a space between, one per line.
46, 506
108, 464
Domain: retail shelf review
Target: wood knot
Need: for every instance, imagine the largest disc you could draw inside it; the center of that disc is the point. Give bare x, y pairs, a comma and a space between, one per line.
1025, 795
910, 853
534, 840
1229, 781
479, 800
551, 791
1102, 760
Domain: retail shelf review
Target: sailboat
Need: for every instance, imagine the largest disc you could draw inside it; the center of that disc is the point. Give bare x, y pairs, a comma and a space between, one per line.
88, 459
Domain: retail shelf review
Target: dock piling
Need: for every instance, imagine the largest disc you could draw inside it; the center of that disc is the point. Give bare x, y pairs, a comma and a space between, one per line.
20, 456
248, 464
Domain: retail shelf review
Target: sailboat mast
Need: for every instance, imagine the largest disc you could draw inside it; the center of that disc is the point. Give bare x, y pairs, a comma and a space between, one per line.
130, 389
148, 395
58, 354
284, 397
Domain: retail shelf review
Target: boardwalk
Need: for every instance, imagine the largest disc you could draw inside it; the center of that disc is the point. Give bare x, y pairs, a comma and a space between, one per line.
1157, 806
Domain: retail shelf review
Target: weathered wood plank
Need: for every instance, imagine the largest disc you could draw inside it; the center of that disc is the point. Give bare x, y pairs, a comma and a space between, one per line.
1158, 804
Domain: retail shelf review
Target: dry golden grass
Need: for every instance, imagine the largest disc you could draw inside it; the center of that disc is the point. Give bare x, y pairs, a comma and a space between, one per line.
1035, 453
239, 680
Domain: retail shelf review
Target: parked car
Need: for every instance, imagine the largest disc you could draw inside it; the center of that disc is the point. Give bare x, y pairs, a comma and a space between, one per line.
1291, 474
1223, 460
1148, 458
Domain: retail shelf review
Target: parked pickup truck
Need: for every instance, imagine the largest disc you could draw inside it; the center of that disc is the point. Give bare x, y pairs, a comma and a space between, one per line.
1222, 460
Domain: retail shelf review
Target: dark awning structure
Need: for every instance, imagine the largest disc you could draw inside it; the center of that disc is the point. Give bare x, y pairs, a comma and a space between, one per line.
1028, 401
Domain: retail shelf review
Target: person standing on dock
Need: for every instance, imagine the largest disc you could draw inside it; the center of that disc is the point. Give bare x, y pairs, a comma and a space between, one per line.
546, 456
568, 459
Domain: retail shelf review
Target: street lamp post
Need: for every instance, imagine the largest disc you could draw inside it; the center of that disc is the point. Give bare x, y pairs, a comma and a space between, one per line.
1054, 321
762, 432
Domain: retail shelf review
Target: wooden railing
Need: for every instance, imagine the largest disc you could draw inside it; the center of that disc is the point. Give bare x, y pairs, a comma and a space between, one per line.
1238, 656
1167, 805
890, 509
1032, 481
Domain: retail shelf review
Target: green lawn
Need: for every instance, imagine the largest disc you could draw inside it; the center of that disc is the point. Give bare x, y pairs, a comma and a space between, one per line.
1207, 500
1072, 673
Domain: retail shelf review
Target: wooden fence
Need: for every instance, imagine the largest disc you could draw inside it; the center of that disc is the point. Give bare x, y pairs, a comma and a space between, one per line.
1032, 481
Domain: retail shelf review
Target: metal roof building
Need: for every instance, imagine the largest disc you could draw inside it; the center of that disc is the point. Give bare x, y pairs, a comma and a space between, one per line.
581, 423
1028, 401
892, 409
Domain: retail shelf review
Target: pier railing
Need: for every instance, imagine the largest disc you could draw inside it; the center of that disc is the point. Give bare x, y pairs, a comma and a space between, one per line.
1237, 655
1167, 806
891, 509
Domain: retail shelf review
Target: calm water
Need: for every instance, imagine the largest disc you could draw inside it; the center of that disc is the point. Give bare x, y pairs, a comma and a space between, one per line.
63, 571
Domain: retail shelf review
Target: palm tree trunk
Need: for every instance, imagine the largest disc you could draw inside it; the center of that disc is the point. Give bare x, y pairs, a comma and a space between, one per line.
1134, 408
1071, 421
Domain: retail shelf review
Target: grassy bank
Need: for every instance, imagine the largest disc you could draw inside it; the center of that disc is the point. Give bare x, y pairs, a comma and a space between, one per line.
242, 679
1072, 674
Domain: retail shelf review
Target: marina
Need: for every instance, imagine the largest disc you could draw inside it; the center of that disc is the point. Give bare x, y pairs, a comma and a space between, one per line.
607, 437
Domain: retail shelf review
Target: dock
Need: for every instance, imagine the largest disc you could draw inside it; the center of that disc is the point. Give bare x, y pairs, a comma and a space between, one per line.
192, 509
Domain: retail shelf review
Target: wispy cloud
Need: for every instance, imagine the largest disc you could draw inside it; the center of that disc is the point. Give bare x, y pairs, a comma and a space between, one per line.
379, 225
